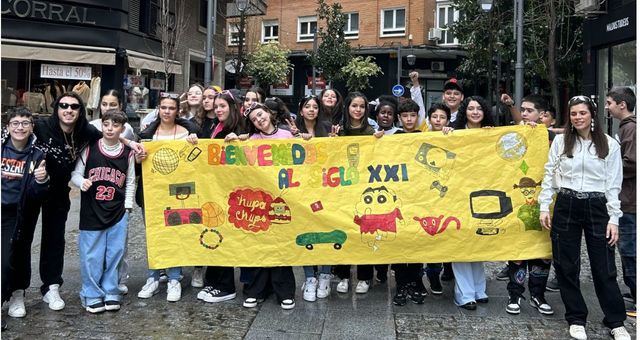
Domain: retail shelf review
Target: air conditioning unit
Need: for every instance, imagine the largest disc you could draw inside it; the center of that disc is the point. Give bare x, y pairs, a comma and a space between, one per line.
435, 34
583, 6
437, 66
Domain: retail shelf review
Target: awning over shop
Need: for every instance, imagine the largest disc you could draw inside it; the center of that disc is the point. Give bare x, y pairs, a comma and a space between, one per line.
39, 50
151, 62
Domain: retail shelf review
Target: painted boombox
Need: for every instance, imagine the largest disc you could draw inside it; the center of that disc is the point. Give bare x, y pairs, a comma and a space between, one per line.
173, 217
179, 216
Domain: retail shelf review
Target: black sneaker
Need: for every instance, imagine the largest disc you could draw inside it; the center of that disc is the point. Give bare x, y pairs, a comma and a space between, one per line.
552, 284
216, 295
96, 308
112, 305
447, 272
420, 288
415, 294
400, 299
436, 285
503, 275
539, 303
513, 306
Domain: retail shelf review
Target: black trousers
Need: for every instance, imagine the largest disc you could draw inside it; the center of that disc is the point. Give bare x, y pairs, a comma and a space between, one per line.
265, 280
406, 273
364, 272
571, 217
9, 217
538, 276
221, 278
55, 208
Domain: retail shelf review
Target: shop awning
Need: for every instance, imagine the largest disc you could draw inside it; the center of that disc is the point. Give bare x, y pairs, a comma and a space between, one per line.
39, 50
151, 62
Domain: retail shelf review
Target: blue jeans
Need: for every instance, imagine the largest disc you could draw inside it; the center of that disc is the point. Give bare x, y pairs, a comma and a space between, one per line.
309, 272
173, 273
627, 249
100, 254
471, 283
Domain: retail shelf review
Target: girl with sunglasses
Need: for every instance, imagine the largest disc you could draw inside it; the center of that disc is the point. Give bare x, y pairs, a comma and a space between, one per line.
585, 170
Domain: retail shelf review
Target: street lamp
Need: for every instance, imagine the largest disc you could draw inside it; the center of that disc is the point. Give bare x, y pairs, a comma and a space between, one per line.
411, 59
242, 6
486, 5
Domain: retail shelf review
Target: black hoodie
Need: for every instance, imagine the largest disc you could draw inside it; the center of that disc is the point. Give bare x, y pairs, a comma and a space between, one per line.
63, 149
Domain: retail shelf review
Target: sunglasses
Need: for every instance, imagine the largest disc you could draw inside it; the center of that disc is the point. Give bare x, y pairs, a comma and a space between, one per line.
65, 106
169, 95
254, 106
581, 99
226, 92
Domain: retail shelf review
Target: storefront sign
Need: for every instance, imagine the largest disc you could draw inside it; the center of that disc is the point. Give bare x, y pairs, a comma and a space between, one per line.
65, 72
624, 22
321, 84
48, 11
156, 84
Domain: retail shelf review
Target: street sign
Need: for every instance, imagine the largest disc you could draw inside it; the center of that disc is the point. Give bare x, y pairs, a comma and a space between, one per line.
397, 90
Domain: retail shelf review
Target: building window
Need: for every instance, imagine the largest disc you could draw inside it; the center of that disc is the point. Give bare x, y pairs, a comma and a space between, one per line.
447, 15
203, 14
393, 22
307, 26
269, 31
234, 34
352, 26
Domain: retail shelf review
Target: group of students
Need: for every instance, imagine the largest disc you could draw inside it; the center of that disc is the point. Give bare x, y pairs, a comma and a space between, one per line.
100, 158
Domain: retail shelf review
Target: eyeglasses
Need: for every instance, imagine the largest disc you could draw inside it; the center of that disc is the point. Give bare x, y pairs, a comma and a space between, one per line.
169, 95
254, 106
25, 123
528, 192
65, 106
581, 99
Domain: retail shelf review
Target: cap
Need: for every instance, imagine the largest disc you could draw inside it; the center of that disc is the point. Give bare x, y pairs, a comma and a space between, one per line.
452, 84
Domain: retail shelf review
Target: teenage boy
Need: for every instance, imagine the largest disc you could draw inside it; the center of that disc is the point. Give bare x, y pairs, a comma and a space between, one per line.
24, 180
452, 96
105, 173
620, 104
439, 116
408, 115
531, 108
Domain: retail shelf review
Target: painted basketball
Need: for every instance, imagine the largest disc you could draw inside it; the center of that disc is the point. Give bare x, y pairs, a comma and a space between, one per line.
212, 214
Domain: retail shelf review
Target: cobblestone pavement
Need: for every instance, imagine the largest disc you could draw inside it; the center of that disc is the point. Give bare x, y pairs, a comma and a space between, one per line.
340, 316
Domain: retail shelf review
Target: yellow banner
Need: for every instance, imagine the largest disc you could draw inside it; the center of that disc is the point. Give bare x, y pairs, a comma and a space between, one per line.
420, 197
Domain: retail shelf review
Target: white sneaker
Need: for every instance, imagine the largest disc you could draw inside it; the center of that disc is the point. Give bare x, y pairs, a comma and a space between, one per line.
124, 290
578, 332
149, 289
197, 277
362, 287
16, 305
343, 286
288, 304
174, 291
53, 298
620, 333
309, 289
324, 286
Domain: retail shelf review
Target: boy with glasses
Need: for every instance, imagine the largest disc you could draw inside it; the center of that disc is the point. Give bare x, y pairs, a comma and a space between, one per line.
24, 179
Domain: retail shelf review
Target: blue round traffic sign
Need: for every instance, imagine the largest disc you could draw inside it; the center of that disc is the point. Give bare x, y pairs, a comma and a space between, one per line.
397, 90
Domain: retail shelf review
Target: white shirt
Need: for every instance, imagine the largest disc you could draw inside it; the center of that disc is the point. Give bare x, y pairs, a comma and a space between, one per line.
585, 172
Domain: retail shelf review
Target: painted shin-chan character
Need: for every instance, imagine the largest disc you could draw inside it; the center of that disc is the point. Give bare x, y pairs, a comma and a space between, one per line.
376, 214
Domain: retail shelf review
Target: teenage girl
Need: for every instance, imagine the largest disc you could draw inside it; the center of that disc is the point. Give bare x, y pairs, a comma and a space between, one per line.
331, 106
205, 118
219, 282
264, 280
190, 107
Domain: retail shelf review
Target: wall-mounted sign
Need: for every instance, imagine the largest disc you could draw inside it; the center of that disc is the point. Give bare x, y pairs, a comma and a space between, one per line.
321, 84
285, 88
49, 11
156, 84
618, 24
65, 72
